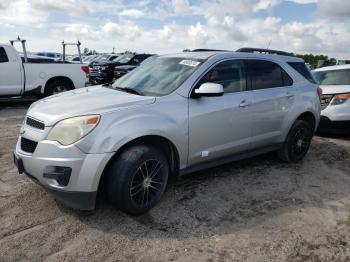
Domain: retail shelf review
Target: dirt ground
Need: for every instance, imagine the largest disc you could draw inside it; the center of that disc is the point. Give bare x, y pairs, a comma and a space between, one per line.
259, 209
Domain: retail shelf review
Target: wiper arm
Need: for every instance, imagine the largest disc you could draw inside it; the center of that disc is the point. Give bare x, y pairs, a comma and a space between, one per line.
129, 90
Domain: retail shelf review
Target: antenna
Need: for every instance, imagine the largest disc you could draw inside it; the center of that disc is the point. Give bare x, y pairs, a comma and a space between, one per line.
268, 45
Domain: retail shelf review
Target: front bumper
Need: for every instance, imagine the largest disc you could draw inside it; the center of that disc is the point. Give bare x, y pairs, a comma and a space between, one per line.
85, 171
334, 127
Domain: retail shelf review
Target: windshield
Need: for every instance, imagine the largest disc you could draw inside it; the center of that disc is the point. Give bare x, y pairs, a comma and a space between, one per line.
123, 59
333, 77
159, 76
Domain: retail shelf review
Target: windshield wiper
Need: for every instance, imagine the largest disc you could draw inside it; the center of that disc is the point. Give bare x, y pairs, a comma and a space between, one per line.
129, 90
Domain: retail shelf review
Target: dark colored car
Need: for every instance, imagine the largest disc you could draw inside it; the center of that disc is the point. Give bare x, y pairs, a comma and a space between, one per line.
119, 71
103, 72
102, 58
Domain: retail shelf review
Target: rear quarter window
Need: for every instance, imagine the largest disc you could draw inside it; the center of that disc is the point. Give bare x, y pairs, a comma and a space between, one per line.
302, 69
3, 56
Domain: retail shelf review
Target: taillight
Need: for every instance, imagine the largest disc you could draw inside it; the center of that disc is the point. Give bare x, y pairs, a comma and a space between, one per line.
86, 69
320, 93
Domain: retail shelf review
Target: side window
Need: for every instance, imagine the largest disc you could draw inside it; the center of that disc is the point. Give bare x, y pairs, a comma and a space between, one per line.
302, 69
3, 55
230, 74
287, 80
266, 74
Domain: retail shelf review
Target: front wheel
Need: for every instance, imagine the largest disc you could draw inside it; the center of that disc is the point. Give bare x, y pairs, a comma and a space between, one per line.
137, 179
297, 142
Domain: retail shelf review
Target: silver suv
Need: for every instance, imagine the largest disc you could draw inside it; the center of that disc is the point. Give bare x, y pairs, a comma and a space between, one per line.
173, 115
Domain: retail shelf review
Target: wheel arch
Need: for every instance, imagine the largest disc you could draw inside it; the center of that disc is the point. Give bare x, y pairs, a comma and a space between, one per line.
308, 117
59, 78
160, 142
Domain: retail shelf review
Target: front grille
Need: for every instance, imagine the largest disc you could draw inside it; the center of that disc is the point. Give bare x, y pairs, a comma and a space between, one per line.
35, 123
28, 145
326, 99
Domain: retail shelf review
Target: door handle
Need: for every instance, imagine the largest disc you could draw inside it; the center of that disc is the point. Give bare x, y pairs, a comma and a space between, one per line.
289, 95
244, 103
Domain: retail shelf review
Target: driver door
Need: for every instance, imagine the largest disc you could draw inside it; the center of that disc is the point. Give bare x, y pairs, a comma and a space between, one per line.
221, 126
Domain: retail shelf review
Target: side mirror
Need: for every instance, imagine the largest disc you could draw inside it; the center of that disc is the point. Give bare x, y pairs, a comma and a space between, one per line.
209, 89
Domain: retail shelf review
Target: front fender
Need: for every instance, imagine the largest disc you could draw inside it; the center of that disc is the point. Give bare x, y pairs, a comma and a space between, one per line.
119, 128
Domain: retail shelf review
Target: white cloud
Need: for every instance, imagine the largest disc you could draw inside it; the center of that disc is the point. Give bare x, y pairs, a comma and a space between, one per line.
132, 13
20, 12
265, 4
180, 6
198, 35
221, 24
338, 9
303, 1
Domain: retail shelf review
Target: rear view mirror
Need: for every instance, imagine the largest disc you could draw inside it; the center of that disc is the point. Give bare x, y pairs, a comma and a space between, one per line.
209, 89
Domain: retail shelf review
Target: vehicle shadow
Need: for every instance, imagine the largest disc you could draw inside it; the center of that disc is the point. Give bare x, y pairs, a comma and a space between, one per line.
234, 196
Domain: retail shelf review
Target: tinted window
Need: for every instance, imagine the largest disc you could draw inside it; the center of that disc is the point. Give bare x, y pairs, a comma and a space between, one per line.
266, 74
333, 77
3, 56
287, 80
302, 69
230, 74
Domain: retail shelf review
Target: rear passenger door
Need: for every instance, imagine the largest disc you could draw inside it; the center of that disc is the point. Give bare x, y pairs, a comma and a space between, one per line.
272, 97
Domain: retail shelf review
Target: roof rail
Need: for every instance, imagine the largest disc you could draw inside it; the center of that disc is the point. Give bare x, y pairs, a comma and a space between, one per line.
263, 51
209, 50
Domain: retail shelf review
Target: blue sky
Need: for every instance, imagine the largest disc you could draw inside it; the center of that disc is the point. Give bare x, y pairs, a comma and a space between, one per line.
302, 26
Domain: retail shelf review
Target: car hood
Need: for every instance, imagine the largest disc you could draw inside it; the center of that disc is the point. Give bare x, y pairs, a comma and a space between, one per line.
84, 101
335, 89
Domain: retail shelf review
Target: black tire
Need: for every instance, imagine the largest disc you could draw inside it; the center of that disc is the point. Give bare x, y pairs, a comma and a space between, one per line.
297, 142
133, 186
57, 86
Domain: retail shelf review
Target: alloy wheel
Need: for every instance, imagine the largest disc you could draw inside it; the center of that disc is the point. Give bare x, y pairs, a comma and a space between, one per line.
147, 183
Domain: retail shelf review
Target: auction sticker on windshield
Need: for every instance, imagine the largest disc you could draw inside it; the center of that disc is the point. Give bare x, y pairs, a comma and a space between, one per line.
189, 63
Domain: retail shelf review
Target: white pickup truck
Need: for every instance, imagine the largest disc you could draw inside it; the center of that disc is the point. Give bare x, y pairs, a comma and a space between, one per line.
21, 76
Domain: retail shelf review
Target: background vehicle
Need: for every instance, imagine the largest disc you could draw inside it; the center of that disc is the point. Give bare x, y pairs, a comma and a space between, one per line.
335, 83
173, 115
103, 72
37, 76
119, 71
55, 56
102, 58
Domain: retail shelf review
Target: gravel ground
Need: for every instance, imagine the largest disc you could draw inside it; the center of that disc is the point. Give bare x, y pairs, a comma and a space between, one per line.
259, 209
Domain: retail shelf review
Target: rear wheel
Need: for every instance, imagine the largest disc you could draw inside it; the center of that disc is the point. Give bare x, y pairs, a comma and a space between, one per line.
137, 179
56, 87
297, 142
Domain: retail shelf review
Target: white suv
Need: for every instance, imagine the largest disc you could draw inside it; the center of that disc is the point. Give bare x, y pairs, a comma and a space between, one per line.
335, 83
172, 115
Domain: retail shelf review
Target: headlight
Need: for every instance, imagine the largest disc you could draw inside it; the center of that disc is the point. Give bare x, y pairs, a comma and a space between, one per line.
71, 130
340, 99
